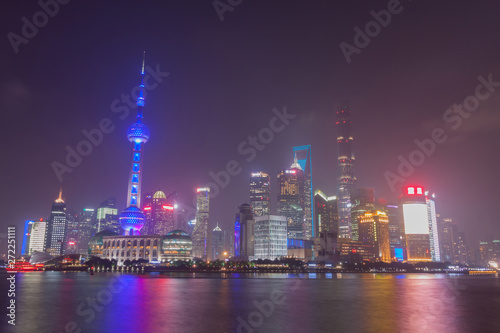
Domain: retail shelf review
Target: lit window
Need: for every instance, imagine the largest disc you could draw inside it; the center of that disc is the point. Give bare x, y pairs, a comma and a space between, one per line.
137, 157
137, 146
135, 178
133, 200
134, 189
135, 167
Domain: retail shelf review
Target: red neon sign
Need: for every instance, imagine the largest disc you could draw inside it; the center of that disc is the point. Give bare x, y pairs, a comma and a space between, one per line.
147, 208
168, 207
412, 190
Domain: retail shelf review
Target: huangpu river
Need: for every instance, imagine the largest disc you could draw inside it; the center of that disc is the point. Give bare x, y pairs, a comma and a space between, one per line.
211, 302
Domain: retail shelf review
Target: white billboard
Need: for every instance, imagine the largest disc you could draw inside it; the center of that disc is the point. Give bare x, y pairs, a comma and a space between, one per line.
416, 219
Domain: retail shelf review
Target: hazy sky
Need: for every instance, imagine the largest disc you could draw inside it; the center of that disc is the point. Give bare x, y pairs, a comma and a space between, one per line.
226, 77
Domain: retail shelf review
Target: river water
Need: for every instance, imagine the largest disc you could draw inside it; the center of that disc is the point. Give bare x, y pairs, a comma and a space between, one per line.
184, 302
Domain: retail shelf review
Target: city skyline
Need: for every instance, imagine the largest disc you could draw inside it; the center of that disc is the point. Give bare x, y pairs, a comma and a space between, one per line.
448, 172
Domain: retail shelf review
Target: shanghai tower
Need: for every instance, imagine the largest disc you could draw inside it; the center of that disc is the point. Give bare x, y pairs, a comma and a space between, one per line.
346, 175
132, 219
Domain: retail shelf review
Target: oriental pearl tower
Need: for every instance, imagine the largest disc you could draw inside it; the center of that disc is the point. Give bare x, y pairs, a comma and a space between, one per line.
132, 219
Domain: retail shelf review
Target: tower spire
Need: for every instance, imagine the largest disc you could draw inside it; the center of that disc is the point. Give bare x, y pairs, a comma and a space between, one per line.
140, 99
60, 199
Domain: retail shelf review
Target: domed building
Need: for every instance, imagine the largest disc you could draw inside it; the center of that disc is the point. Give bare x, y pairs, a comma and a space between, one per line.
96, 242
177, 245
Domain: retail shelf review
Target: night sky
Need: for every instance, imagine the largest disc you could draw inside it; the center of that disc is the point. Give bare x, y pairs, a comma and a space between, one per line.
226, 77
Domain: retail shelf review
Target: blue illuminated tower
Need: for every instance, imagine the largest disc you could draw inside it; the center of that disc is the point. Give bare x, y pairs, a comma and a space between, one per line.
303, 156
132, 219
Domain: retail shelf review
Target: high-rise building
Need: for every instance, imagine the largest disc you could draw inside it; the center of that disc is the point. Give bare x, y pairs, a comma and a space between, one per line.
433, 226
200, 231
303, 157
260, 193
448, 239
246, 232
132, 219
38, 237
270, 237
489, 253
346, 175
159, 212
28, 226
397, 238
362, 201
374, 229
58, 224
218, 243
326, 216
416, 223
107, 216
85, 220
292, 200
71, 243
462, 255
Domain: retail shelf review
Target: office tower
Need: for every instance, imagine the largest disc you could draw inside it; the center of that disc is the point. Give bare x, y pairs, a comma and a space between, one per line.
70, 246
346, 175
217, 243
397, 238
237, 236
228, 236
462, 254
291, 200
38, 237
362, 201
448, 238
159, 212
260, 193
107, 216
132, 219
270, 237
57, 227
489, 253
374, 229
200, 231
433, 226
325, 213
246, 235
85, 220
416, 223
303, 157
28, 226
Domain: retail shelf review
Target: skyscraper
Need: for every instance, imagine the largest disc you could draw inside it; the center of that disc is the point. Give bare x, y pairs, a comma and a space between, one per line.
38, 237
416, 223
346, 175
28, 226
433, 227
374, 229
397, 238
291, 200
132, 218
362, 201
57, 227
303, 157
160, 218
107, 216
246, 232
217, 243
325, 213
260, 193
200, 231
85, 220
270, 237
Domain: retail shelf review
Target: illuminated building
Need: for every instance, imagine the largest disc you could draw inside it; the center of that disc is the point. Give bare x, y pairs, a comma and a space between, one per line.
260, 193
302, 155
292, 200
132, 219
57, 227
489, 252
96, 243
326, 216
38, 237
217, 243
397, 238
28, 225
85, 220
70, 246
374, 229
300, 248
107, 216
354, 251
346, 175
326, 246
246, 232
200, 231
416, 223
177, 245
270, 237
362, 201
453, 245
433, 227
160, 217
